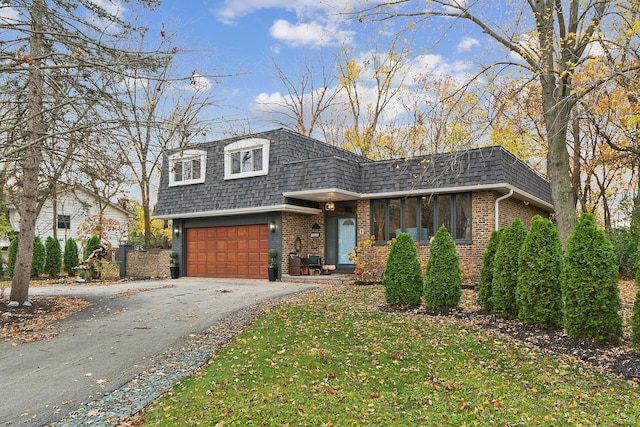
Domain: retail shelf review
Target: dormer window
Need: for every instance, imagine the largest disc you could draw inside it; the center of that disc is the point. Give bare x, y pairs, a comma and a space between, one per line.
187, 167
245, 158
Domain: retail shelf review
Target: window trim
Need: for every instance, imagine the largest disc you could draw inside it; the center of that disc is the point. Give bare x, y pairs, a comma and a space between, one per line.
248, 144
452, 213
184, 156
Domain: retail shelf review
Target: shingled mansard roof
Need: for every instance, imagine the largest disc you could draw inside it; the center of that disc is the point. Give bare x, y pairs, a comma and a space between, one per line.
304, 171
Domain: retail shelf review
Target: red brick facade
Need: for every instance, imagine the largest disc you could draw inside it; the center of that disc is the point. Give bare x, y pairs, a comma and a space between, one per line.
483, 208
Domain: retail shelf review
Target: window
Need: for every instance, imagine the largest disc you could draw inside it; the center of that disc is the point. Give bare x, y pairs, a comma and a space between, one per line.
187, 167
422, 216
64, 221
245, 158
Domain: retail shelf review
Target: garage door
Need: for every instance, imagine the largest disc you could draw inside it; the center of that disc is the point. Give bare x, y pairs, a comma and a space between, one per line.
239, 251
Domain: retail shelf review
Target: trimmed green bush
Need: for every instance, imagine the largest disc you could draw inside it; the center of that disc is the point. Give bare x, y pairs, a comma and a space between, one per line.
92, 244
443, 282
590, 285
12, 255
70, 259
486, 271
538, 293
53, 258
505, 270
635, 319
403, 275
37, 265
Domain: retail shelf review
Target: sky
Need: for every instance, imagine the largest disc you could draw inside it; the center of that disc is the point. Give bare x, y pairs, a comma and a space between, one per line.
243, 38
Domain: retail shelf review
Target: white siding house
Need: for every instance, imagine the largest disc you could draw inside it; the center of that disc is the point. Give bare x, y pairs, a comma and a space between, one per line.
71, 209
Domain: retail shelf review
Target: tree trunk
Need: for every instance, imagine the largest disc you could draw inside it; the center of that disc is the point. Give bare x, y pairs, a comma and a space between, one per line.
557, 110
32, 158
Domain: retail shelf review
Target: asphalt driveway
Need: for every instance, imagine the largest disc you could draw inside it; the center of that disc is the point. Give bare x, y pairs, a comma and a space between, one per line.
108, 344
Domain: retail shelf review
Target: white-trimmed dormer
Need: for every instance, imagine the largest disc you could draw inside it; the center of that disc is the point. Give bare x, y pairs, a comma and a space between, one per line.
187, 167
246, 158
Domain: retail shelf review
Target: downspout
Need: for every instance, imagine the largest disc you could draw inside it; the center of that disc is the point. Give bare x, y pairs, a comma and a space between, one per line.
497, 208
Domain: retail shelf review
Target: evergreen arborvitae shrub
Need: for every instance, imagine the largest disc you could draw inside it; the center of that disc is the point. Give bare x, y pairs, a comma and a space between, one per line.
538, 293
92, 244
635, 317
443, 281
70, 259
37, 265
12, 255
486, 271
403, 274
505, 270
589, 282
53, 259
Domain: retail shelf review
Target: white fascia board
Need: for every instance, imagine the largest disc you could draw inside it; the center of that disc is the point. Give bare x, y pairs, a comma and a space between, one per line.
243, 211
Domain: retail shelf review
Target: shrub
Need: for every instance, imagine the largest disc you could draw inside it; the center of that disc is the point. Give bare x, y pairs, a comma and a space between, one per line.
625, 248
635, 318
53, 258
486, 271
70, 256
443, 282
12, 256
92, 244
590, 284
403, 275
505, 270
538, 294
37, 265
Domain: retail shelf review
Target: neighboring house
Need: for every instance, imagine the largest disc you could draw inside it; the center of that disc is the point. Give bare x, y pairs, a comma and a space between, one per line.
232, 200
70, 209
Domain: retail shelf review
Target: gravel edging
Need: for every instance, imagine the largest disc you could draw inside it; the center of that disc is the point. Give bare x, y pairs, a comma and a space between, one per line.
168, 368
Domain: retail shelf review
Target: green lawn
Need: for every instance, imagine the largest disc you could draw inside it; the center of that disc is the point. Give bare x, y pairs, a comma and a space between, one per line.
337, 360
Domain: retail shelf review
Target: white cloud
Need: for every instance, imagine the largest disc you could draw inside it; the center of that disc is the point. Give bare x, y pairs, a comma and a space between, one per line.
198, 83
234, 9
8, 13
467, 44
308, 34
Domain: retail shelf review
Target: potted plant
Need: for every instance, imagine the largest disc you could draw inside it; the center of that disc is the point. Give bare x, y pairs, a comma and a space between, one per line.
174, 266
273, 268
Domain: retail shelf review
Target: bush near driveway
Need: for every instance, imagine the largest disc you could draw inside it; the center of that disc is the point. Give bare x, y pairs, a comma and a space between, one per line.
590, 285
71, 256
538, 293
443, 281
53, 258
403, 274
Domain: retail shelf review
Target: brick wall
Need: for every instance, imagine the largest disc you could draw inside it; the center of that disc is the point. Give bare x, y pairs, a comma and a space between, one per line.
151, 263
470, 254
296, 226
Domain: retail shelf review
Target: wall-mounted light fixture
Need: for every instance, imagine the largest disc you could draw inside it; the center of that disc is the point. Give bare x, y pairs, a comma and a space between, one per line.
329, 206
272, 226
176, 231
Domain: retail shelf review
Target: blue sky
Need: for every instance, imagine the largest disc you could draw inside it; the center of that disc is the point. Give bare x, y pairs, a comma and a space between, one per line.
242, 38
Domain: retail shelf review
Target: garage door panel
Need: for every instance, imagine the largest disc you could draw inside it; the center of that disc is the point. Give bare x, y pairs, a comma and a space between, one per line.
238, 251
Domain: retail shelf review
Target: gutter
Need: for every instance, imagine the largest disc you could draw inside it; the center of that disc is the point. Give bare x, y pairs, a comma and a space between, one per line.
497, 207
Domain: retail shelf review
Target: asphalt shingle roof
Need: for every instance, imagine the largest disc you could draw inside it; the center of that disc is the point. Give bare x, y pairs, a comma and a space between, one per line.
300, 163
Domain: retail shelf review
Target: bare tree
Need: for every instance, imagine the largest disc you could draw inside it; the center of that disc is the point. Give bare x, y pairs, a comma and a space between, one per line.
158, 110
308, 99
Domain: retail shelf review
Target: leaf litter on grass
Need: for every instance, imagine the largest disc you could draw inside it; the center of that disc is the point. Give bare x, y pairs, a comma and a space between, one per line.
338, 360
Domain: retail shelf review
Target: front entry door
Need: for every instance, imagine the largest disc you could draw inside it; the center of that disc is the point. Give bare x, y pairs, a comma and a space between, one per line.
341, 239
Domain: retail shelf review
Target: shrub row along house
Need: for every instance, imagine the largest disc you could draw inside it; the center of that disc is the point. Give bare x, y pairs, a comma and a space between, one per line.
232, 200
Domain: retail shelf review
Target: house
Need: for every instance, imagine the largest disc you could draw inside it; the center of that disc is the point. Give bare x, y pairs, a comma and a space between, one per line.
232, 200
63, 216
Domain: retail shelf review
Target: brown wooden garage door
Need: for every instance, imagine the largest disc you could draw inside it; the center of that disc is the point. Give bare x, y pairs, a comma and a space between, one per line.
239, 251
